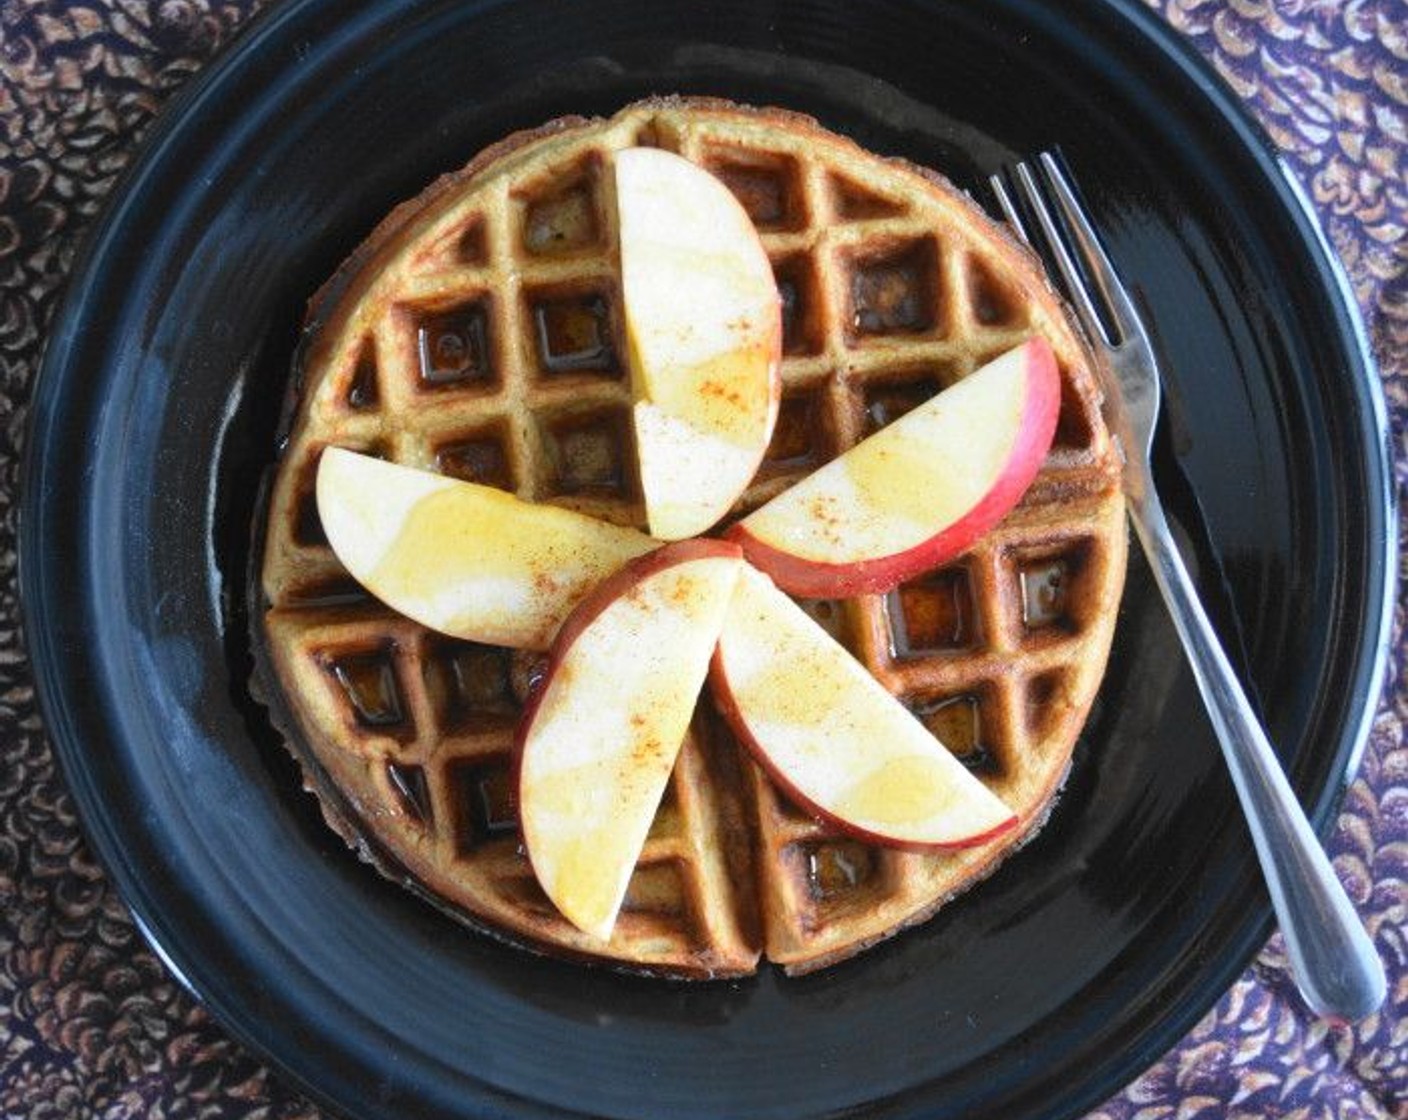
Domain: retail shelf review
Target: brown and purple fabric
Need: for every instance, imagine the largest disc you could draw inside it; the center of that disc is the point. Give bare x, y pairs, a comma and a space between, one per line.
91, 1025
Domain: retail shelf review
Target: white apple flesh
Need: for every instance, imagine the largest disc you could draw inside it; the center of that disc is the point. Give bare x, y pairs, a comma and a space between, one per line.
466, 560
599, 738
704, 338
833, 739
919, 491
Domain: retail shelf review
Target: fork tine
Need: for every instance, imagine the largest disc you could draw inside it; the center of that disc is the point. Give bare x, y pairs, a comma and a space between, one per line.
1009, 208
1076, 286
1117, 302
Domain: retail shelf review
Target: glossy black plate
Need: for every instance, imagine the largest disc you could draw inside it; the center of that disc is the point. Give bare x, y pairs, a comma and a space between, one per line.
1052, 985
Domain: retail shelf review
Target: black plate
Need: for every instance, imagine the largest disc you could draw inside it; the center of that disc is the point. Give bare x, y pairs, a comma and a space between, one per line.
1056, 982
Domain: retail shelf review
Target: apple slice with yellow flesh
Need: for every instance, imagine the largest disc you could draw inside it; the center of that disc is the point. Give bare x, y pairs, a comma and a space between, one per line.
468, 560
704, 338
833, 739
919, 491
598, 740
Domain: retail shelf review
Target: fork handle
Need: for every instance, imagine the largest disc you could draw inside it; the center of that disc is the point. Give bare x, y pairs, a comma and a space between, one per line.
1337, 970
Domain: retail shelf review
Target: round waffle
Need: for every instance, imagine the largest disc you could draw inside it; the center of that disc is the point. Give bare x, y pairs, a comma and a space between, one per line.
478, 333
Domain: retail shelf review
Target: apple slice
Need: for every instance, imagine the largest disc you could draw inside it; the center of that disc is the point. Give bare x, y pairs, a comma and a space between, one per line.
704, 337
599, 738
833, 739
467, 560
919, 491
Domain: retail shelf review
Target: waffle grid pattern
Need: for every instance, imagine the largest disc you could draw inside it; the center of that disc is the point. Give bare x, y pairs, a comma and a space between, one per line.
482, 337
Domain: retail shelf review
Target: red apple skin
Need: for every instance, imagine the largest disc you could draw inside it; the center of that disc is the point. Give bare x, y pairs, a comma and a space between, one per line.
813, 580
728, 707
583, 614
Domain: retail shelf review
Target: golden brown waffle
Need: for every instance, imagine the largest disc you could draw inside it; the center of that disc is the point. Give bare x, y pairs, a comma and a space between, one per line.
479, 333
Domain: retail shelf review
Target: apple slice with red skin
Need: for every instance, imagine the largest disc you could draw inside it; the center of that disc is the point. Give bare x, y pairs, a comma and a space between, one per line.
599, 736
919, 491
468, 560
833, 739
704, 338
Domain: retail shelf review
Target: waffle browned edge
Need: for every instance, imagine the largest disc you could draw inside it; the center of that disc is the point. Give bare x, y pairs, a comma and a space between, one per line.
336, 810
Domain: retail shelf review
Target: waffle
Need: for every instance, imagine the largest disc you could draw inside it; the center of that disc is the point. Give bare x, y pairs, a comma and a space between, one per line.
478, 332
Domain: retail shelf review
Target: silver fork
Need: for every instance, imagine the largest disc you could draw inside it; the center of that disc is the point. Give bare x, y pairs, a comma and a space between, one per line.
1336, 967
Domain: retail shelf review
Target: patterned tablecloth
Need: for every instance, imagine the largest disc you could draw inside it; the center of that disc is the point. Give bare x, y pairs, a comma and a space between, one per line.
91, 1025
